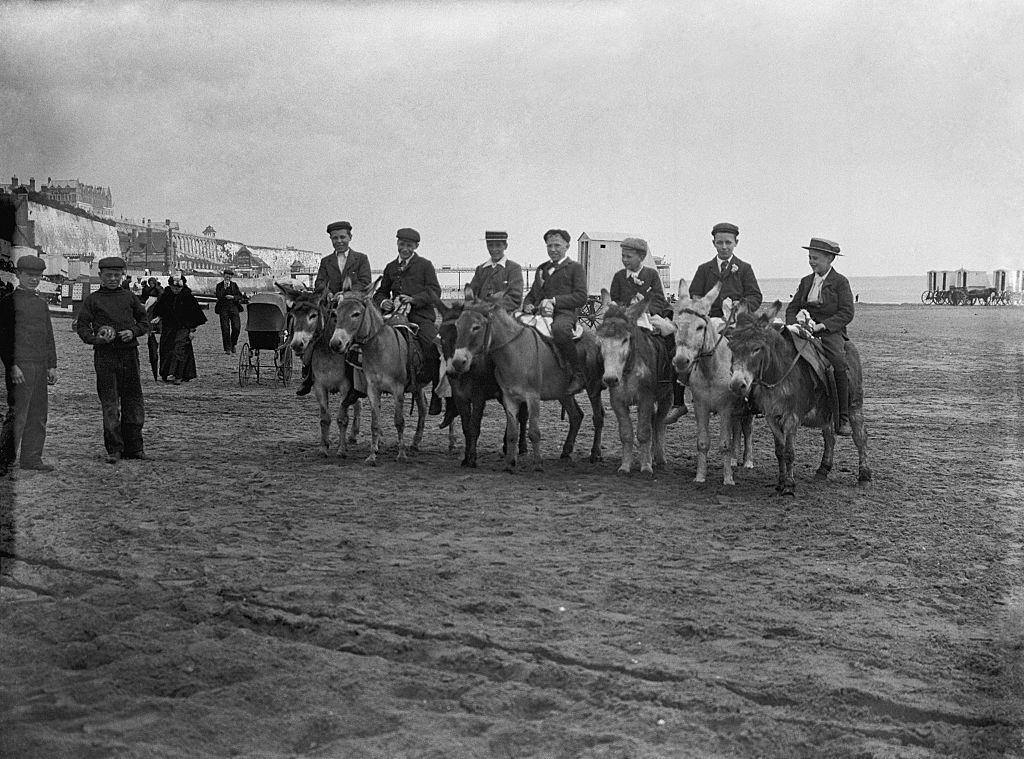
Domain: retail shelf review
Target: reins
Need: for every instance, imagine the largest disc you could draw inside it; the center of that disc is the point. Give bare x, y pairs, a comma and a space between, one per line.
760, 371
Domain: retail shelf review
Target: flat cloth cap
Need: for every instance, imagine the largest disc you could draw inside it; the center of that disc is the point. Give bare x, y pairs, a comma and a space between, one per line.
112, 262
408, 233
490, 235
725, 227
559, 232
635, 243
339, 225
31, 264
823, 245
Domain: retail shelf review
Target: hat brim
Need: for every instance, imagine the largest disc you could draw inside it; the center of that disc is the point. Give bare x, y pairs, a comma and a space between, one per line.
821, 250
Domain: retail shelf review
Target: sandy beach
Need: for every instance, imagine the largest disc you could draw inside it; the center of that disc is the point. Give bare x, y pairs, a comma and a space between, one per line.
242, 595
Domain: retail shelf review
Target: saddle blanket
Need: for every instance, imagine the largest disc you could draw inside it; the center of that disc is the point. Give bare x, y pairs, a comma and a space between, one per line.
543, 324
810, 351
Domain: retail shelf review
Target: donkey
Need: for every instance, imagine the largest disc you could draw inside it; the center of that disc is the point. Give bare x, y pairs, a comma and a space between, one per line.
636, 373
311, 316
472, 389
767, 367
386, 353
703, 355
527, 371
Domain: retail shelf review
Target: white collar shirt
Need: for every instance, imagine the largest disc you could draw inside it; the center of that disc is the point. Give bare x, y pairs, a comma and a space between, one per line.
814, 295
342, 258
495, 264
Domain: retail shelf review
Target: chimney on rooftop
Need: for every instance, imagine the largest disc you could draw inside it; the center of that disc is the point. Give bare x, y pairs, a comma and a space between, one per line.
31, 184
14, 182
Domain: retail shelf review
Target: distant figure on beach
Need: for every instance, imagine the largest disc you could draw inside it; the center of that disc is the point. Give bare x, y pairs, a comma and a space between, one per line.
334, 268
29, 355
111, 319
856, 298
179, 315
825, 295
229, 305
738, 284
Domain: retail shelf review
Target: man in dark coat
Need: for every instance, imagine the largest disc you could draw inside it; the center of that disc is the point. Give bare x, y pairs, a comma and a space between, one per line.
179, 315
229, 305
826, 296
738, 284
111, 320
499, 274
559, 291
410, 282
29, 355
343, 263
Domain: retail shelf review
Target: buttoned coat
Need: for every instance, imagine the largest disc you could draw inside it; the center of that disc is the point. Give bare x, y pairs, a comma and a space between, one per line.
419, 281
357, 269
835, 309
625, 288
507, 278
225, 306
740, 285
566, 284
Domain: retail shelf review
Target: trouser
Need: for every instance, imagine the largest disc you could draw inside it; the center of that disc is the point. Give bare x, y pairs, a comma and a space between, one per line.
24, 425
230, 326
562, 326
834, 346
120, 390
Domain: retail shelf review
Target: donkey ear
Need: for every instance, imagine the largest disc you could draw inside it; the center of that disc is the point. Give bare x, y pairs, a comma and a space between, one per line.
635, 310
684, 289
468, 295
289, 293
606, 298
728, 306
711, 295
346, 285
767, 314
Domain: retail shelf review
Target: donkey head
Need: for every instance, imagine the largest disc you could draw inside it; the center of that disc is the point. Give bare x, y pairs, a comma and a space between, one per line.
355, 319
751, 344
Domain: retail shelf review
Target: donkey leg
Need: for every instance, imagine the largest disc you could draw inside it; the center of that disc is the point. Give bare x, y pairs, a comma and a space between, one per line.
643, 435
523, 417
726, 444
626, 434
357, 409
399, 398
511, 449
703, 416
373, 395
828, 451
342, 429
323, 401
575, 414
472, 416
860, 439
747, 427
534, 410
789, 487
597, 419
421, 418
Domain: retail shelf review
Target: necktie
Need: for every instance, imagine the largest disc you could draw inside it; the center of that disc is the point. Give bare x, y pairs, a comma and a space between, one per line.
725, 266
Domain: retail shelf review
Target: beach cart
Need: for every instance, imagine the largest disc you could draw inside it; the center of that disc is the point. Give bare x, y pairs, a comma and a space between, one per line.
267, 329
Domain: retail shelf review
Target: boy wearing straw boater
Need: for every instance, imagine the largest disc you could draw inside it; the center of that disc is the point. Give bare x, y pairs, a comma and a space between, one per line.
112, 320
29, 356
826, 296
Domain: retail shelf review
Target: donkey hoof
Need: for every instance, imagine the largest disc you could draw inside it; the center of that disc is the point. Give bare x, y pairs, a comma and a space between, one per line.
647, 473
821, 475
370, 460
622, 471
596, 458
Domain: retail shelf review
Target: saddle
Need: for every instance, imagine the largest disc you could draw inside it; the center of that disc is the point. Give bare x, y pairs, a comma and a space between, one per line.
542, 324
810, 350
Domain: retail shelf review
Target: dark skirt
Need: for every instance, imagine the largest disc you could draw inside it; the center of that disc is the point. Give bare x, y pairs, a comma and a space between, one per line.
177, 358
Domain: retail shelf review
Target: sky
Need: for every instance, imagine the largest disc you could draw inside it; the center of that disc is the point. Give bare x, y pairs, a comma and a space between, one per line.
894, 129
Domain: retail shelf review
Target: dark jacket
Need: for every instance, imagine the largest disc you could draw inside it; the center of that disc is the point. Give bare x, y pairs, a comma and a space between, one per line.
179, 311
31, 337
116, 308
740, 285
625, 288
508, 277
418, 280
835, 309
565, 283
357, 269
224, 305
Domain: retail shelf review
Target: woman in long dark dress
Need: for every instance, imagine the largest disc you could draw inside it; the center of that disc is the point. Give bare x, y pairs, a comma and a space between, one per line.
179, 314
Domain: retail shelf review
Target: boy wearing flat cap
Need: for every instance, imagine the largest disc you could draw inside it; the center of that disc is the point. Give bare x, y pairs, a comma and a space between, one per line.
559, 291
111, 320
636, 283
410, 281
29, 356
826, 296
738, 284
343, 263
499, 274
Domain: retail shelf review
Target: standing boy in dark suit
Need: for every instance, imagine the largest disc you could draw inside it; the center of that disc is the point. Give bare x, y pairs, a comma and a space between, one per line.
29, 355
229, 306
111, 320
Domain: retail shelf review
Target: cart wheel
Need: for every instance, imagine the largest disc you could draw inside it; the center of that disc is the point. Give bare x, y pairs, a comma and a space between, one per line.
283, 362
591, 312
244, 365
927, 297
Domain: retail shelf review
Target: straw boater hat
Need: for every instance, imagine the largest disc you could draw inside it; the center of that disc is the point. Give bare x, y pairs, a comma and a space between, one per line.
822, 245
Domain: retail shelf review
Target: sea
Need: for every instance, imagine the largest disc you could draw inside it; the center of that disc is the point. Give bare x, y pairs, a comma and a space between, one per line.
865, 289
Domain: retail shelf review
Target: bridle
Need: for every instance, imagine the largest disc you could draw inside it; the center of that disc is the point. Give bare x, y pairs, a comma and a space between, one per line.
758, 380
703, 352
356, 342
